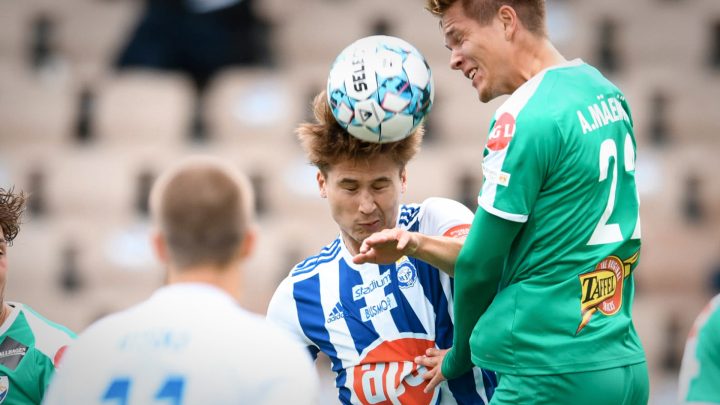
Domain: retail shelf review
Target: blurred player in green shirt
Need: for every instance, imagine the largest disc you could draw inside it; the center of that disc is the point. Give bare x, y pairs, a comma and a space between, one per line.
544, 284
30, 345
700, 371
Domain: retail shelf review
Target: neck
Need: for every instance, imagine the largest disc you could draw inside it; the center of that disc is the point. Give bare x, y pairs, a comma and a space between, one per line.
352, 246
226, 278
4, 312
536, 55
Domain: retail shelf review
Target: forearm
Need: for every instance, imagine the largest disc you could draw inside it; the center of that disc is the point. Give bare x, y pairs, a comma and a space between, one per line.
439, 251
477, 273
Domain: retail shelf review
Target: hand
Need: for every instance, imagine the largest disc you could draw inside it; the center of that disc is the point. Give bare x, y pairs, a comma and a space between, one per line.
387, 246
432, 360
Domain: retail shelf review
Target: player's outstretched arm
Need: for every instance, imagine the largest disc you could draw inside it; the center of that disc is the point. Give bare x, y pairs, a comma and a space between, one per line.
477, 274
389, 245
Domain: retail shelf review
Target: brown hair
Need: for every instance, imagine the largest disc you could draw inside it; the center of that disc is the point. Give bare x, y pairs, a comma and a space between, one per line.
530, 12
203, 208
326, 142
12, 207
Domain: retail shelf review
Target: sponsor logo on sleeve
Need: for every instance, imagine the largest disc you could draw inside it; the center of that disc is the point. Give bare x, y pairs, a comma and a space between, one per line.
496, 176
602, 288
458, 231
11, 352
502, 133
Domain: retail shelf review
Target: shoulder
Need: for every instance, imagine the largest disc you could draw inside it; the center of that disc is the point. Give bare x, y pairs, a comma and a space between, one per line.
51, 338
709, 318
438, 216
434, 205
409, 213
314, 263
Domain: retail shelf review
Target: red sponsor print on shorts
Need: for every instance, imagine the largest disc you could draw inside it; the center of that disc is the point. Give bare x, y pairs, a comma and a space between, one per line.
502, 132
388, 374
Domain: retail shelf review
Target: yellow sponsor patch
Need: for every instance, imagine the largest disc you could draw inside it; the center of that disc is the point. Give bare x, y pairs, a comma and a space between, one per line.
602, 288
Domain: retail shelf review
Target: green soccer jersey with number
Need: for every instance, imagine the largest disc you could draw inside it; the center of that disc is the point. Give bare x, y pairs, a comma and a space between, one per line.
560, 158
700, 371
30, 347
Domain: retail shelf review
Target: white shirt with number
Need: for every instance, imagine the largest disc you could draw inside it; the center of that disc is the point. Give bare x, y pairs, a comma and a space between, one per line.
187, 344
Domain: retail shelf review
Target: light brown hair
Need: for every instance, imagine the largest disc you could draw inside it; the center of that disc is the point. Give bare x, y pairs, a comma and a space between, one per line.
203, 208
12, 206
326, 142
530, 12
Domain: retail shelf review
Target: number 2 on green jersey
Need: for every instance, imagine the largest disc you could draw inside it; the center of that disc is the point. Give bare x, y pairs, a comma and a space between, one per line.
610, 233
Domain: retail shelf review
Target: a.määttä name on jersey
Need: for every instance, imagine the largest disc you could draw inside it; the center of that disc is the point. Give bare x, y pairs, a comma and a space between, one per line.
601, 113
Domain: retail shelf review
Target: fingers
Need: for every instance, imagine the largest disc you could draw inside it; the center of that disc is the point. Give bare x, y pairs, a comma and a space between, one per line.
434, 381
364, 258
428, 362
434, 352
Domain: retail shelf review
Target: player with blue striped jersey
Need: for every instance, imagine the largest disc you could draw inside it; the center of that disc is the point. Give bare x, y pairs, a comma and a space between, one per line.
373, 320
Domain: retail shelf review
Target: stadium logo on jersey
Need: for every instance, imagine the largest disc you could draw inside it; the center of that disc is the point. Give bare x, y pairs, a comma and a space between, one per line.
406, 273
360, 291
4, 388
11, 352
336, 313
502, 133
371, 311
387, 374
602, 288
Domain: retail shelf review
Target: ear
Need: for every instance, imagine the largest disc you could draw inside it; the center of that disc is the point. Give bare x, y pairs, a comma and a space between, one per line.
247, 247
509, 19
322, 184
403, 180
159, 246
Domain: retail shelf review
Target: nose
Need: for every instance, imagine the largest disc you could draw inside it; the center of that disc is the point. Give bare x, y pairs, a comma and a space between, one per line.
455, 60
367, 203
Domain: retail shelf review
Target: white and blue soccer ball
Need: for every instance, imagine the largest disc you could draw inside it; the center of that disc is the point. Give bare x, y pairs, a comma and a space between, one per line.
380, 89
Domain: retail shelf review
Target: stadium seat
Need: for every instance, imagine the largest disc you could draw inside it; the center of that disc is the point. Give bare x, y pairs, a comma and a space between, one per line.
144, 107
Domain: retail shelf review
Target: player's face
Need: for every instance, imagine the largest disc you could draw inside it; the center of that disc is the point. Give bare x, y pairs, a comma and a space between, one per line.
364, 196
478, 51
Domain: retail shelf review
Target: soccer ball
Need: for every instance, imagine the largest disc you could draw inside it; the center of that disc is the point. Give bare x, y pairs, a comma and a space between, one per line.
380, 88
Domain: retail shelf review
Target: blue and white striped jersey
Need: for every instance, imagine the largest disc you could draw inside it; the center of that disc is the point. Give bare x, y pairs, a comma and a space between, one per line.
373, 320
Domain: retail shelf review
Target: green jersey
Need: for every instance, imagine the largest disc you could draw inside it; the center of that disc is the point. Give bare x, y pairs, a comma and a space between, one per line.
700, 371
560, 158
30, 348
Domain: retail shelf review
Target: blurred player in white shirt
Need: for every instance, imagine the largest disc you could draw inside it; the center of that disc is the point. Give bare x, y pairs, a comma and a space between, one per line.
190, 342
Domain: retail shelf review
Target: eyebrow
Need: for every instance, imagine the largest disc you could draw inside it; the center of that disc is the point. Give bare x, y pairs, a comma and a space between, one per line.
449, 34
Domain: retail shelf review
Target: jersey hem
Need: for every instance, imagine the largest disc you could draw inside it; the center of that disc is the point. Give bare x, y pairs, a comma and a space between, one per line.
558, 369
502, 214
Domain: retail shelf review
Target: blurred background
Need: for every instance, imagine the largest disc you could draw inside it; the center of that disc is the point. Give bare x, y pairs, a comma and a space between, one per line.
97, 96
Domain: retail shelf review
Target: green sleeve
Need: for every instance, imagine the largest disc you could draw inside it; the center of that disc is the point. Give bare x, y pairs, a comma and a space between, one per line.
704, 387
477, 274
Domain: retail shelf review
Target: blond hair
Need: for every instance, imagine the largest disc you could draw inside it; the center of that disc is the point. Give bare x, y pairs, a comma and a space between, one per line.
203, 207
530, 12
